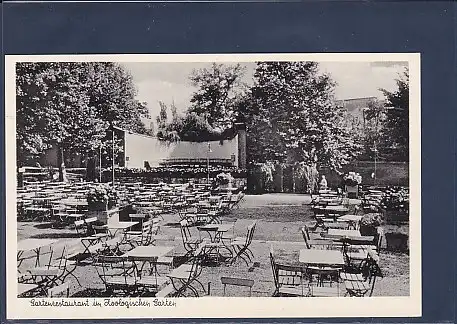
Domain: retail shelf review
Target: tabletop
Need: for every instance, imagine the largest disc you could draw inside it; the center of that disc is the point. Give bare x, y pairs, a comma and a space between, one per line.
25, 287
351, 218
338, 208
31, 244
121, 225
321, 257
216, 227
343, 233
150, 251
74, 202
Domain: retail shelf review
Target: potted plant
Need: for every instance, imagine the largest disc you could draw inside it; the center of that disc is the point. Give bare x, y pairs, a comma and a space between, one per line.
369, 224
101, 197
352, 181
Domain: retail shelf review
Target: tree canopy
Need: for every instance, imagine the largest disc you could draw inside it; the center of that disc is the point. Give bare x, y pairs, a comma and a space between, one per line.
396, 127
217, 90
296, 118
72, 105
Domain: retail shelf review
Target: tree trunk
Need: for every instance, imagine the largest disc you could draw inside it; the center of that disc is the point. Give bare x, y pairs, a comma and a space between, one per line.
20, 177
311, 176
61, 162
91, 167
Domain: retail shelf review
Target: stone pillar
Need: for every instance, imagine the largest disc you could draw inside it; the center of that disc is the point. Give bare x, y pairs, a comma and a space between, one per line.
241, 129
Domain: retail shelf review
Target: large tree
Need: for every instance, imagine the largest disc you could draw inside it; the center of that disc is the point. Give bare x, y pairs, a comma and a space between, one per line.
217, 88
297, 119
396, 127
72, 106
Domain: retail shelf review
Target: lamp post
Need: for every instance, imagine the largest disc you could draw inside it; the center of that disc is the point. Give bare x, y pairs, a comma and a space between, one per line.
207, 158
100, 163
112, 129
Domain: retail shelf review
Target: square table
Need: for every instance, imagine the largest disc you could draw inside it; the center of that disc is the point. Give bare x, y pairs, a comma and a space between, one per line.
351, 218
34, 245
217, 229
349, 236
147, 254
114, 227
321, 257
343, 233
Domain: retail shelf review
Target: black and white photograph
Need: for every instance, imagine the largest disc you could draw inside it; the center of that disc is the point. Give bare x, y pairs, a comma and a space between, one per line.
148, 179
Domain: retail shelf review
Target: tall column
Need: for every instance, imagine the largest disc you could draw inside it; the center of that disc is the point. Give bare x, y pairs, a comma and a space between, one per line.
241, 129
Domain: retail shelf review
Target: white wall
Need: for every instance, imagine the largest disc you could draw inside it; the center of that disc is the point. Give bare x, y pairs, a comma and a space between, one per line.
140, 148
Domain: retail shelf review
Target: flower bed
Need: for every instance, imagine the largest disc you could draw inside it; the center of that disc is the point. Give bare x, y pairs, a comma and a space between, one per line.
175, 172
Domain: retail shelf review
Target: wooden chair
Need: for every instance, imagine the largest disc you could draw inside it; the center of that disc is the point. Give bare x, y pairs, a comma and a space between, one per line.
317, 244
288, 279
140, 218
55, 272
356, 252
137, 238
184, 279
362, 282
190, 242
118, 275
241, 246
327, 283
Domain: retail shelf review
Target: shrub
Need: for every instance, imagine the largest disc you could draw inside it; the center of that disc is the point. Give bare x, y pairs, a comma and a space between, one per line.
101, 194
352, 179
395, 199
369, 224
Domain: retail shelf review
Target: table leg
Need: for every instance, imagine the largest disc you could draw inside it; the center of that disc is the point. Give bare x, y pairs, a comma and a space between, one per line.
37, 262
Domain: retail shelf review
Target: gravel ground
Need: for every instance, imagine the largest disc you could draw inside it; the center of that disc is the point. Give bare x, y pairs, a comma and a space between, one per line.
279, 219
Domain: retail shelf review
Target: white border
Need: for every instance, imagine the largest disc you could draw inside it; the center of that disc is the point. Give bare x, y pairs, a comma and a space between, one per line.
225, 307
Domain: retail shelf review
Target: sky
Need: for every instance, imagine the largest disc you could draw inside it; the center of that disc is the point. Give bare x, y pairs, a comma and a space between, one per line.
169, 82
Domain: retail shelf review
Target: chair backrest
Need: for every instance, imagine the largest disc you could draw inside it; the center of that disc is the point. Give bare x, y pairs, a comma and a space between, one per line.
293, 273
155, 226
273, 267
196, 267
100, 228
146, 228
250, 233
379, 235
305, 237
63, 258
185, 232
370, 269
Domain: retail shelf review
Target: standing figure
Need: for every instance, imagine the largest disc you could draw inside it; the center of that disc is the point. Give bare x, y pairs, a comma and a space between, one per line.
323, 183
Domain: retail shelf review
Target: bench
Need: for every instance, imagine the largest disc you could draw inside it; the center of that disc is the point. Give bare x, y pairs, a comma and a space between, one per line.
237, 282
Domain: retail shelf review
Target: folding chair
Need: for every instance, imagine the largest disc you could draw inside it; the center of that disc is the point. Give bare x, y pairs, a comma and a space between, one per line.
184, 278
241, 246
327, 283
317, 244
190, 242
362, 282
137, 238
288, 279
55, 272
117, 275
